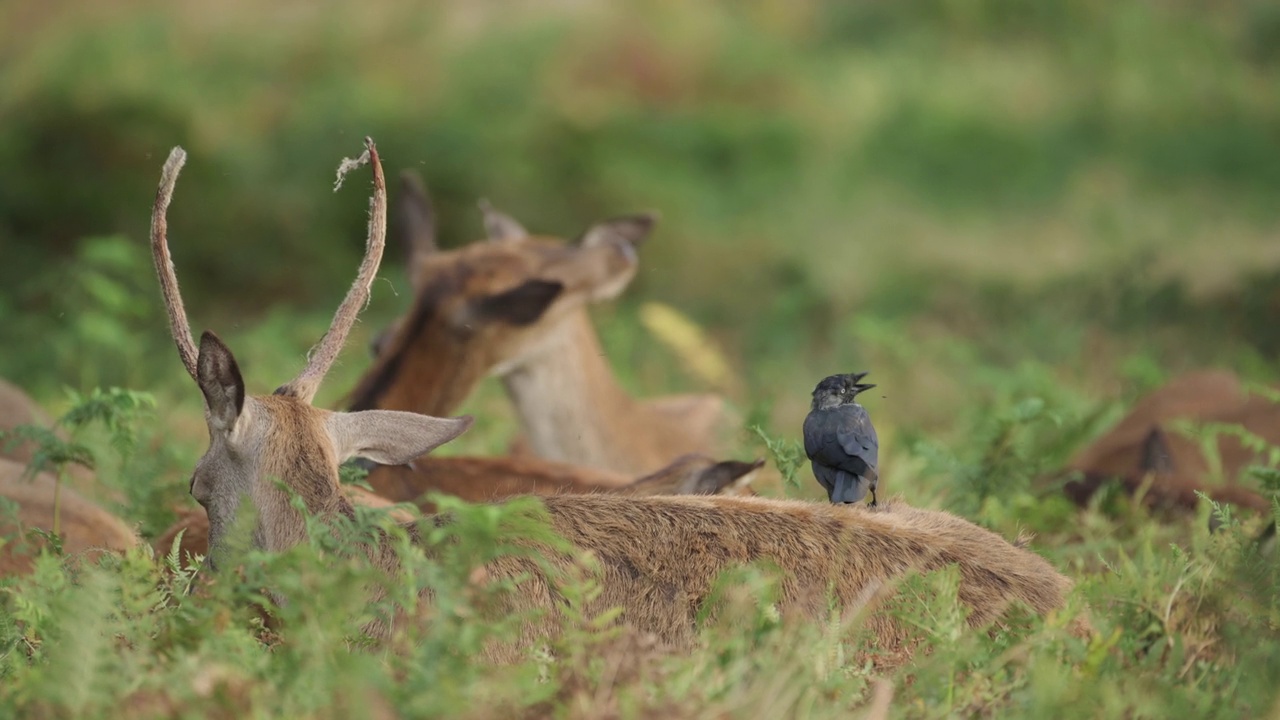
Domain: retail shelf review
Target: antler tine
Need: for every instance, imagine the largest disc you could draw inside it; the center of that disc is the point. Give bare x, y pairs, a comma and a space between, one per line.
326, 351
178, 325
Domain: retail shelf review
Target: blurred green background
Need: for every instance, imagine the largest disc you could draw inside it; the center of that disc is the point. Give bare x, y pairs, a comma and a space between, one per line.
944, 192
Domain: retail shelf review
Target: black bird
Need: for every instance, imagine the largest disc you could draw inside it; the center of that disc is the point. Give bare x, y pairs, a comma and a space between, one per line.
840, 440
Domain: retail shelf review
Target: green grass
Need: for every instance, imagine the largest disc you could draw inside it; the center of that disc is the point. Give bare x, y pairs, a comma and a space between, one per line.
1017, 216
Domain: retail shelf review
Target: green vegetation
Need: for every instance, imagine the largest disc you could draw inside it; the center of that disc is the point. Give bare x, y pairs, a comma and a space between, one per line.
1018, 216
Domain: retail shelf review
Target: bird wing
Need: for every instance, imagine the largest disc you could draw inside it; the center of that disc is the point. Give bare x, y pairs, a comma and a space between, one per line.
815, 432
841, 438
826, 476
857, 435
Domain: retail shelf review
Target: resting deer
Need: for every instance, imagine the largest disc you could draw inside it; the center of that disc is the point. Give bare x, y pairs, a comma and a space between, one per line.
516, 307
84, 528
1143, 446
658, 556
494, 329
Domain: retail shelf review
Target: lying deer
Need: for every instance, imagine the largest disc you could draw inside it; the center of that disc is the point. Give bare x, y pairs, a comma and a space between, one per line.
516, 307
658, 556
495, 330
1144, 446
84, 528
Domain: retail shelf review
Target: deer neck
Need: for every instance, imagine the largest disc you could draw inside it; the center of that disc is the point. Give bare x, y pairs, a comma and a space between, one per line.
308, 471
281, 525
427, 374
569, 402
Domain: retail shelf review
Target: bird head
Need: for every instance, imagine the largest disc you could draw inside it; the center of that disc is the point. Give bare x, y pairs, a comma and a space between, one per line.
838, 390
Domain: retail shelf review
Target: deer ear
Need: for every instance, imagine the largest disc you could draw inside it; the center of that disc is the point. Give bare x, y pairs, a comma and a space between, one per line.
499, 225
523, 304
413, 225
219, 378
724, 475
633, 229
391, 437
1156, 456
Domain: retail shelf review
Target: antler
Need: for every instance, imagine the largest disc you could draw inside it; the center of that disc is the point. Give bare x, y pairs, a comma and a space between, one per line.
326, 351
178, 325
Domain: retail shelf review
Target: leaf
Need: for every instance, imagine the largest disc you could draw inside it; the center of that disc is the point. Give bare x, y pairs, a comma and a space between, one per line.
52, 452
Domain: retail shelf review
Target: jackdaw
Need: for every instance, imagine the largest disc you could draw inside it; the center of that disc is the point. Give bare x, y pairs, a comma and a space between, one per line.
840, 440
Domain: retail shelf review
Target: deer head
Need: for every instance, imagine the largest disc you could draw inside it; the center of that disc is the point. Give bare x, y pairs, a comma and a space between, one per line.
482, 308
697, 474
264, 447
1145, 444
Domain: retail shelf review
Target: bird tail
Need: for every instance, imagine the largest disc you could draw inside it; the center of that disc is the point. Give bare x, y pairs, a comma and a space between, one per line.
849, 488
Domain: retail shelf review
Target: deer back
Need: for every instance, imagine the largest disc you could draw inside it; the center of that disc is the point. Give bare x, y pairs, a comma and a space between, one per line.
17, 408
86, 529
658, 558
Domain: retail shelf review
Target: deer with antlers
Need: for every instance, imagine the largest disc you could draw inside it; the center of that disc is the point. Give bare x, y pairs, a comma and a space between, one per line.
657, 556
516, 307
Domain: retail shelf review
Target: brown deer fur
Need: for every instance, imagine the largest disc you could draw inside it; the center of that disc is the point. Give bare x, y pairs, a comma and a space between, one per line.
85, 528
657, 555
1144, 445
516, 306
573, 409
17, 408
